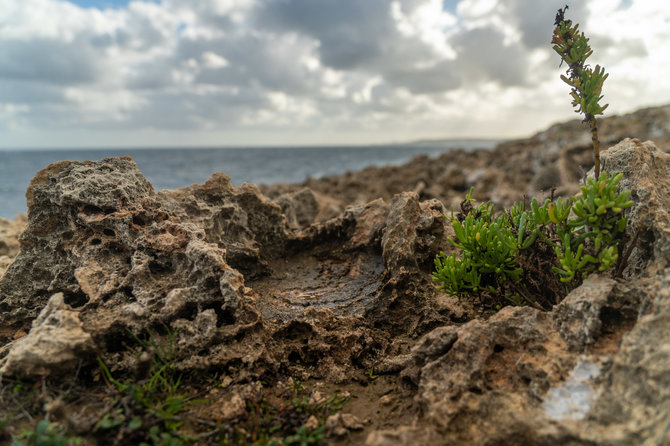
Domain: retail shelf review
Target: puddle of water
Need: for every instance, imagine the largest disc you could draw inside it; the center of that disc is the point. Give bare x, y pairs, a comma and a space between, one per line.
573, 399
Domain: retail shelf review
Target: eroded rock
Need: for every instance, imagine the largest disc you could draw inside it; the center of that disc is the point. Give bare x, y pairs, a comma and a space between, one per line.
55, 345
98, 234
248, 288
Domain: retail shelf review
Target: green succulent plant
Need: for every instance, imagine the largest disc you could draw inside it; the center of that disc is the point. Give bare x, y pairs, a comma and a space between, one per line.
534, 255
586, 83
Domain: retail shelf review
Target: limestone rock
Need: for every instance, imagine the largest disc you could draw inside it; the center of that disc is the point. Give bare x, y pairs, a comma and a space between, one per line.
340, 424
98, 234
301, 208
646, 172
509, 379
55, 344
246, 224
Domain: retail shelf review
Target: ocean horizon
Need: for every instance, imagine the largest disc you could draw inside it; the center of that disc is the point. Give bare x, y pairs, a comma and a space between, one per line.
171, 168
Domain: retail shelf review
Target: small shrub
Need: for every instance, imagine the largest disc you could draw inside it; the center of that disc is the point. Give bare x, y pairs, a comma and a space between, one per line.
534, 255
586, 83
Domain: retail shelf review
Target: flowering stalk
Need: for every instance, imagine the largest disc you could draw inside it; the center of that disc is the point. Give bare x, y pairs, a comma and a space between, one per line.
586, 83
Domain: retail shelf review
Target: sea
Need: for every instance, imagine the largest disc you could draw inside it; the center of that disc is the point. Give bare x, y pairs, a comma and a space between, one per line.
171, 168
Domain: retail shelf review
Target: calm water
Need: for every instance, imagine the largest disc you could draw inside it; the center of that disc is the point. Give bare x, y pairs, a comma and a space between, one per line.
173, 168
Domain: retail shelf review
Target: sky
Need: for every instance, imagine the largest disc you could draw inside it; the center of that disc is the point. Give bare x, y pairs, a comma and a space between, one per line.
118, 73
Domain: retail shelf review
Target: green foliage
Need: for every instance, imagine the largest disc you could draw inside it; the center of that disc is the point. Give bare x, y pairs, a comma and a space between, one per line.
149, 407
586, 83
45, 434
277, 416
536, 255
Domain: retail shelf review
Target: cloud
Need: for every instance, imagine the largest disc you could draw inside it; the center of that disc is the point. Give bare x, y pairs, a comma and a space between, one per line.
321, 70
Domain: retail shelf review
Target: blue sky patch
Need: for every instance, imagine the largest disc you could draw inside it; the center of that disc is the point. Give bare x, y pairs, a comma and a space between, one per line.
450, 5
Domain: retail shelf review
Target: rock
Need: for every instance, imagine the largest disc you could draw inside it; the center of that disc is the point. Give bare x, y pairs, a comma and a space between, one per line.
647, 175
301, 208
10, 230
218, 268
593, 371
340, 424
9, 235
634, 401
405, 435
55, 345
240, 220
99, 235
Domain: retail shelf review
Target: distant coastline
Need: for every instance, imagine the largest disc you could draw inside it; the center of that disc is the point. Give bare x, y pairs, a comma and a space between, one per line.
170, 168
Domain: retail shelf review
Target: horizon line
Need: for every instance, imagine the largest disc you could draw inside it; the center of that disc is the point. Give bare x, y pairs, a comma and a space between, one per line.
255, 146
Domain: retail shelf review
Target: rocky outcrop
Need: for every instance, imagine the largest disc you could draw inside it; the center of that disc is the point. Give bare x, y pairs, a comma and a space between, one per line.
592, 371
556, 158
248, 287
219, 266
123, 264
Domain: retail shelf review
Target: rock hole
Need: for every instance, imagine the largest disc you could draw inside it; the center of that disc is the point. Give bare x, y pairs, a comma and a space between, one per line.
613, 319
109, 211
89, 209
222, 317
498, 348
475, 390
75, 300
139, 220
117, 339
109, 233
96, 242
309, 357
157, 267
188, 311
294, 330
294, 358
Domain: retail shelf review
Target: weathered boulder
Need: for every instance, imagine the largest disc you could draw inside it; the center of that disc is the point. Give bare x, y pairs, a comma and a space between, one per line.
98, 234
646, 171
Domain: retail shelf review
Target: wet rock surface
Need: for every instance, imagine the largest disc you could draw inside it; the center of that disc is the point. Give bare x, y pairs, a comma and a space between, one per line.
332, 283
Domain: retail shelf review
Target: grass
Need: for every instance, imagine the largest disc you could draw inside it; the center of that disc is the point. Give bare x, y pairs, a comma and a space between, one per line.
158, 405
